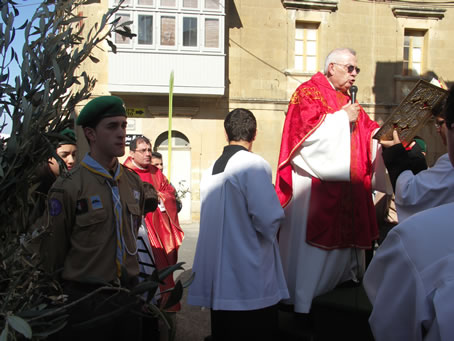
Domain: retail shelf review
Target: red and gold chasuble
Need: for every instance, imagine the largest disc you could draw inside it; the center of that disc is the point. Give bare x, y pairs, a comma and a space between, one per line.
341, 213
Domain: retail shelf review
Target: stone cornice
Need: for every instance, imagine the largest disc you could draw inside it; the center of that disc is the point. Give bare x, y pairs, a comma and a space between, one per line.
326, 5
419, 12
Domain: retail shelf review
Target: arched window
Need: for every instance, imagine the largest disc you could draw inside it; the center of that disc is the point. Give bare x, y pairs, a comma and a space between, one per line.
178, 140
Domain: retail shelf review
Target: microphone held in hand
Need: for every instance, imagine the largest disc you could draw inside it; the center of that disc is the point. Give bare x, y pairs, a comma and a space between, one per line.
353, 92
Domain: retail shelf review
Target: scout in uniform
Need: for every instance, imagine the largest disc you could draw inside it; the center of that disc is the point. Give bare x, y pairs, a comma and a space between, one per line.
94, 214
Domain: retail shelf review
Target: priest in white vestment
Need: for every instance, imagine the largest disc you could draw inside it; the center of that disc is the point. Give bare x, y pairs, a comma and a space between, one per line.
238, 271
324, 181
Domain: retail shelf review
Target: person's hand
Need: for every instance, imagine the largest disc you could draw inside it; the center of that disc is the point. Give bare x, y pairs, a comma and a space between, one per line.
352, 111
395, 140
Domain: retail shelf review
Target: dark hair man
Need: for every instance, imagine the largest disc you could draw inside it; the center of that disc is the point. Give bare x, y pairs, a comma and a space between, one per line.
94, 215
415, 267
164, 232
238, 272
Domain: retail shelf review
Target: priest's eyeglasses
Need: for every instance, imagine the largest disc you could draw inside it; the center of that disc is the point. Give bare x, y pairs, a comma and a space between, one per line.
350, 67
143, 151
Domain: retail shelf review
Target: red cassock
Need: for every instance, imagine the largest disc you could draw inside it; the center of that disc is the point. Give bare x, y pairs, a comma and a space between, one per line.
164, 231
341, 213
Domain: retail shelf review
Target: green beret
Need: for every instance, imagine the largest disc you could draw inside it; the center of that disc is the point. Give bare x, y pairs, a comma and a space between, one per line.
99, 108
67, 136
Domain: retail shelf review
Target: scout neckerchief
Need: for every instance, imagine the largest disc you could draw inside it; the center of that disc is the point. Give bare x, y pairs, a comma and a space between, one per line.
93, 166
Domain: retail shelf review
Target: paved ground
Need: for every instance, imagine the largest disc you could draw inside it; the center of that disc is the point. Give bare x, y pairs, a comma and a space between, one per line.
329, 321
193, 323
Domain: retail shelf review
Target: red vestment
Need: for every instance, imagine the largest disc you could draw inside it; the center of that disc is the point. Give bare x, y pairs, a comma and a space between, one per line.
341, 213
164, 231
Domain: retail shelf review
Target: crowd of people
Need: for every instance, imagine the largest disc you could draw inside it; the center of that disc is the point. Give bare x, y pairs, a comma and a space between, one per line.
261, 246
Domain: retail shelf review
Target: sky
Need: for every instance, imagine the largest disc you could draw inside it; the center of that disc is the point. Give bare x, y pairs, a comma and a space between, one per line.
26, 11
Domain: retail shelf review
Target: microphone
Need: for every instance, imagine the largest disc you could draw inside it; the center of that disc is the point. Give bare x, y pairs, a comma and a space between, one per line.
353, 91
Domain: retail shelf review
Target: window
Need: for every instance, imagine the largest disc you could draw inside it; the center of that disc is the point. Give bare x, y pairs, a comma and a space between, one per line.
189, 31
168, 3
190, 3
183, 26
306, 47
413, 54
145, 34
119, 39
145, 2
168, 31
212, 33
211, 4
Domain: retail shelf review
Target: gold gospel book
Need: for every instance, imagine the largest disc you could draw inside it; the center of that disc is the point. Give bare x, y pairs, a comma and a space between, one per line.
413, 112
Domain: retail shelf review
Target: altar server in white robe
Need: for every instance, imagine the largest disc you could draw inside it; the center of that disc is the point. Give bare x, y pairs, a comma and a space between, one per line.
324, 181
410, 280
429, 188
238, 271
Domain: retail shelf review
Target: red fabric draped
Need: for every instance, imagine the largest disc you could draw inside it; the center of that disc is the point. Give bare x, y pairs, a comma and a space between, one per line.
164, 231
341, 214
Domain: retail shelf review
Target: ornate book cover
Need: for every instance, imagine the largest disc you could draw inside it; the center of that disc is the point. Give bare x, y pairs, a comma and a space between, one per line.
413, 112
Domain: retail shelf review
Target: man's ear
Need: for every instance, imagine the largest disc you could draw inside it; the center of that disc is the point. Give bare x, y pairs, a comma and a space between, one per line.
226, 136
255, 135
90, 134
330, 69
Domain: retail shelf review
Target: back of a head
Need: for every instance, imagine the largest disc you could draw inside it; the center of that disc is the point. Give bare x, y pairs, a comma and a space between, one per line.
240, 125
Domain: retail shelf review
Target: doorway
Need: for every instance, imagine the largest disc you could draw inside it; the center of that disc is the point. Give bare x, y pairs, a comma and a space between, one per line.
180, 175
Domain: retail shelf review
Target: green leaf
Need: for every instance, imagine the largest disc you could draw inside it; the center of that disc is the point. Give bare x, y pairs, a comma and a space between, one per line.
4, 334
189, 281
170, 269
112, 46
144, 286
175, 295
93, 59
20, 325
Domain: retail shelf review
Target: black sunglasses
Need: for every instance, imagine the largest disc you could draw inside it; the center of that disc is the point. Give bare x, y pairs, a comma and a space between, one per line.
350, 68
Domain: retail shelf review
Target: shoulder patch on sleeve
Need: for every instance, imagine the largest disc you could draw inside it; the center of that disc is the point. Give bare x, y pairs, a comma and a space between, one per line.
136, 195
55, 207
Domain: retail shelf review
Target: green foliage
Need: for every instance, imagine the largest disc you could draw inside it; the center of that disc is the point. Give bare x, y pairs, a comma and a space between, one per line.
40, 102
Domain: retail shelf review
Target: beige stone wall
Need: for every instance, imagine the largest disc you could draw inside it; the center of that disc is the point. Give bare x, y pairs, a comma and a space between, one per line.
260, 72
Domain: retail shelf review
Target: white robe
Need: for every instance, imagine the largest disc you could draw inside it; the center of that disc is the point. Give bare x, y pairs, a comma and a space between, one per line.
430, 188
237, 264
311, 271
410, 280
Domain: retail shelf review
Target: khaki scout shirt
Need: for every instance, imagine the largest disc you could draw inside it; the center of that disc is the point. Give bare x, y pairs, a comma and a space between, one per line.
82, 225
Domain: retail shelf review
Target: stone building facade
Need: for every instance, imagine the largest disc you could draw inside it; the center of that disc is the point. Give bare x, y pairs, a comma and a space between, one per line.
253, 54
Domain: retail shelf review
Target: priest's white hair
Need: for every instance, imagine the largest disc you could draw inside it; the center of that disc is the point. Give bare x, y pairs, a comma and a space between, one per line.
335, 55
